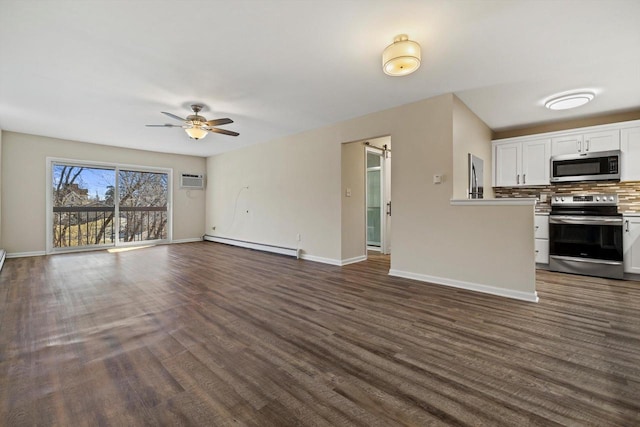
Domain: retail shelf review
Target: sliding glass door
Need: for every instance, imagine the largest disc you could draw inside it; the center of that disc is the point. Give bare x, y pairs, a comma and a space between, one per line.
142, 205
92, 206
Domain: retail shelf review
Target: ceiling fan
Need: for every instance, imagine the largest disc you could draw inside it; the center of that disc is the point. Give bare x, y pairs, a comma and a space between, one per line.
197, 126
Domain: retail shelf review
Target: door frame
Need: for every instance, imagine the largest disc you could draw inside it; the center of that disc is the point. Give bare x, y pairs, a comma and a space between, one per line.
383, 198
50, 161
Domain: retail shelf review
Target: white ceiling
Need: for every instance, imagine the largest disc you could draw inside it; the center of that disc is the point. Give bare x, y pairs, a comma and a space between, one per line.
98, 71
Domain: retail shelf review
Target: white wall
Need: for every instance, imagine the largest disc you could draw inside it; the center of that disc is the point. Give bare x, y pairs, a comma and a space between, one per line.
24, 185
295, 187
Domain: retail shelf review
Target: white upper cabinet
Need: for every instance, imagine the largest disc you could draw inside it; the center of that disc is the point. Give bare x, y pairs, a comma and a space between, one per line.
569, 144
585, 142
521, 163
630, 147
507, 160
536, 162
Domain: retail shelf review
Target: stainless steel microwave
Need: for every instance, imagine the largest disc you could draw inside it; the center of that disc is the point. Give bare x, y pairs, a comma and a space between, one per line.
596, 166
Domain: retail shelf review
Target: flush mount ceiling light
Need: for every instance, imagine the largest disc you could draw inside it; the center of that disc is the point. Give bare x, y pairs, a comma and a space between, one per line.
402, 57
569, 100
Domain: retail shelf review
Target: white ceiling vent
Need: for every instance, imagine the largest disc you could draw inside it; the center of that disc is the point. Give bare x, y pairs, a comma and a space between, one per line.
192, 181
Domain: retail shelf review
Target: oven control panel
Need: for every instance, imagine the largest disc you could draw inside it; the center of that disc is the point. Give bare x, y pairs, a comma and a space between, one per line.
585, 200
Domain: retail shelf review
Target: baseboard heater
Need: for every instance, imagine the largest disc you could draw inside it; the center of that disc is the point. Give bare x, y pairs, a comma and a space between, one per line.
252, 245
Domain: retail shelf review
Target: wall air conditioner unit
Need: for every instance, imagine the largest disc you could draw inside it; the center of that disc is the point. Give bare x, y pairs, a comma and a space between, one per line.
192, 181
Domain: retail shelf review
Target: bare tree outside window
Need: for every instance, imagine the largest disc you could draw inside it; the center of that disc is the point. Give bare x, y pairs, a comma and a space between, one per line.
84, 206
143, 205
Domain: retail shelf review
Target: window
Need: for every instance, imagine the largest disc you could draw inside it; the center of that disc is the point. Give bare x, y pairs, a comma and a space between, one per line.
96, 205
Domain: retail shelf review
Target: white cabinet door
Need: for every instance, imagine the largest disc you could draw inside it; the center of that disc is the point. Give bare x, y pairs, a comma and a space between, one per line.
541, 234
630, 146
631, 243
507, 167
536, 156
568, 144
601, 141
542, 251
541, 226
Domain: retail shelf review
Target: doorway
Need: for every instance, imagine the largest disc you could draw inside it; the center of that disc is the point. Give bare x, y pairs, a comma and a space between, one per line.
378, 198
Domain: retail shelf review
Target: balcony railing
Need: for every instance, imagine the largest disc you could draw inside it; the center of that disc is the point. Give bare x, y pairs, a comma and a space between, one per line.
77, 226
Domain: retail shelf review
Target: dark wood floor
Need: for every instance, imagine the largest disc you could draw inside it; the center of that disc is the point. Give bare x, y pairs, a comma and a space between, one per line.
207, 334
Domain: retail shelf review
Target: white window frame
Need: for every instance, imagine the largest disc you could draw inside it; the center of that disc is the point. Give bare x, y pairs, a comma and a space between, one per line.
116, 216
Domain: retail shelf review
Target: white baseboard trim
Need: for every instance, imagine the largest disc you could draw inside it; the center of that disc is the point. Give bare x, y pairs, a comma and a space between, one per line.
189, 240
252, 245
353, 260
519, 295
26, 254
314, 258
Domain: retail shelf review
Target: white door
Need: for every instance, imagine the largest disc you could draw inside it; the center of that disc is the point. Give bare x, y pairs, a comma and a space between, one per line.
386, 176
375, 207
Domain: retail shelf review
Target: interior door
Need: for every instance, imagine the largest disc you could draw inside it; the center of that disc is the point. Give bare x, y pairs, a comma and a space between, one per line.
386, 176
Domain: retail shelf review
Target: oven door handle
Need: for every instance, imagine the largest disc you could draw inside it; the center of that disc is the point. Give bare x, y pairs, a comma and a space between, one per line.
586, 260
584, 220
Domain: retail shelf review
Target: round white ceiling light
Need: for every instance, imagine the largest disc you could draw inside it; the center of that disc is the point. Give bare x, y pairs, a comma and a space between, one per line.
569, 100
402, 57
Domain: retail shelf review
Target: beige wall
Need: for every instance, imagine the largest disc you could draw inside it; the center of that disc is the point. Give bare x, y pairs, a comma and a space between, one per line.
470, 135
295, 187
1, 246
353, 208
24, 185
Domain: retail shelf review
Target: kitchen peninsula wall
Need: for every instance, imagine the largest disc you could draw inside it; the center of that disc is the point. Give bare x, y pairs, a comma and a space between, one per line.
628, 193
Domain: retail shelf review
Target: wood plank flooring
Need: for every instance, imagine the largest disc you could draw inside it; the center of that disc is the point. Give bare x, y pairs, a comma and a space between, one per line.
208, 334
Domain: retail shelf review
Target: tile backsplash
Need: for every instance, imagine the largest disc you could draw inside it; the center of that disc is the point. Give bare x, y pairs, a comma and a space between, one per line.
628, 193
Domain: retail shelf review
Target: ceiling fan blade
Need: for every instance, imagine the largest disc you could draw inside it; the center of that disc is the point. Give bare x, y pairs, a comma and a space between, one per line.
166, 125
218, 122
223, 131
173, 116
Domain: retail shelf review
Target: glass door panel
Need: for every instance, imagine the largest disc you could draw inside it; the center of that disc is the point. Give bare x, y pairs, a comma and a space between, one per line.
143, 200
83, 206
374, 208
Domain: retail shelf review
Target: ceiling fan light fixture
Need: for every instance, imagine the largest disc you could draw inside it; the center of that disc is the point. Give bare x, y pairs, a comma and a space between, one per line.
569, 100
196, 133
402, 57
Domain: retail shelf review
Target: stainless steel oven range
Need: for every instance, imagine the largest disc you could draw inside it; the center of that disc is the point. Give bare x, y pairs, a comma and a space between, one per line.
585, 235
